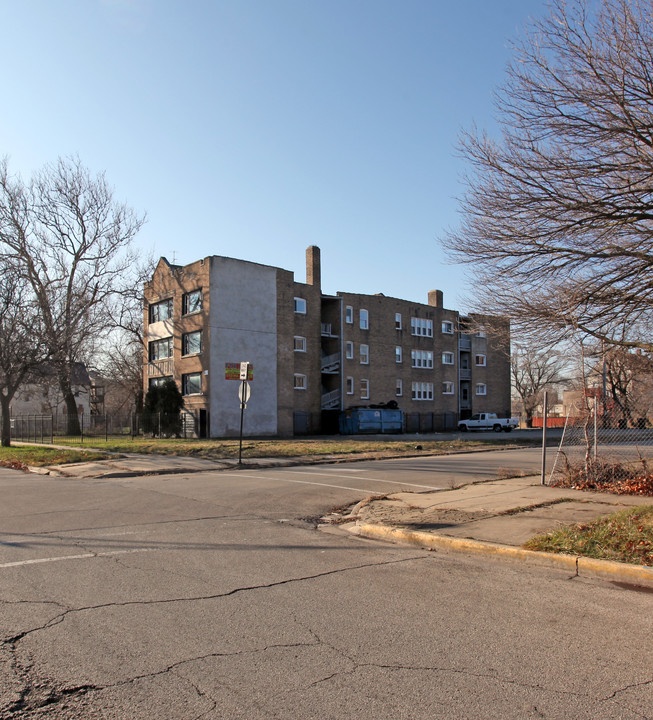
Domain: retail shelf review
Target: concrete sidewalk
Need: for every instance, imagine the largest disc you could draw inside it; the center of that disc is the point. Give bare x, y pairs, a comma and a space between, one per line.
493, 518
496, 518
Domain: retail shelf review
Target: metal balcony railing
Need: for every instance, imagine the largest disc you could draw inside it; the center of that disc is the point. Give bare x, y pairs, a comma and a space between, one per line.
331, 364
331, 400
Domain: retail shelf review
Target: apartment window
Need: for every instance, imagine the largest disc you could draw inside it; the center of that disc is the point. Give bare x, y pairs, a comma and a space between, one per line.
160, 349
365, 354
447, 327
399, 388
481, 389
365, 389
447, 358
161, 310
397, 321
349, 314
481, 334
364, 319
159, 381
191, 343
299, 344
421, 327
300, 306
349, 385
191, 302
191, 384
447, 388
422, 391
399, 354
349, 350
421, 358
300, 382
481, 360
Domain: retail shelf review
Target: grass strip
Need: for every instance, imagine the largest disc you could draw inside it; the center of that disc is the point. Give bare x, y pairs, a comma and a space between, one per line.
20, 456
626, 536
280, 448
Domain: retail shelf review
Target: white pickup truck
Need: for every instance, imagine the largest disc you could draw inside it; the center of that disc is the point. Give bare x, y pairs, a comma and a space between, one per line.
488, 421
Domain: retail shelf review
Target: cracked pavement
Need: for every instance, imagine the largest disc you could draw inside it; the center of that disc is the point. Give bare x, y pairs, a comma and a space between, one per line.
207, 596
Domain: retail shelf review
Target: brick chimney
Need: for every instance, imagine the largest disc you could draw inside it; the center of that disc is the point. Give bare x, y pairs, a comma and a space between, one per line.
436, 298
313, 265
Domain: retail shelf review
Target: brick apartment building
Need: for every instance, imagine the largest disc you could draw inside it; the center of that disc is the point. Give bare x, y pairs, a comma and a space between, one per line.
314, 355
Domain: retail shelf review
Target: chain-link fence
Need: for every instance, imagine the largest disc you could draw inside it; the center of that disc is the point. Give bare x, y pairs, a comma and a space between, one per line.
595, 453
81, 428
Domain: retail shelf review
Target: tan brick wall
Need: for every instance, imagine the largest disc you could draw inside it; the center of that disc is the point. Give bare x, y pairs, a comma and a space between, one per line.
383, 338
171, 281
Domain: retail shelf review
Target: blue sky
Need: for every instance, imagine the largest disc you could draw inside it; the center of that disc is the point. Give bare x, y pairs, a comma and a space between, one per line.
254, 128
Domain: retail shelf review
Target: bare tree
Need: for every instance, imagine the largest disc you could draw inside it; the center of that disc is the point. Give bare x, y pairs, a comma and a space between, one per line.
71, 239
21, 348
557, 211
123, 356
534, 370
628, 377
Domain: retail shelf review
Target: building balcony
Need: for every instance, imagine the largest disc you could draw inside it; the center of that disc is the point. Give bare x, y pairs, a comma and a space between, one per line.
331, 400
465, 373
327, 330
160, 368
465, 344
331, 364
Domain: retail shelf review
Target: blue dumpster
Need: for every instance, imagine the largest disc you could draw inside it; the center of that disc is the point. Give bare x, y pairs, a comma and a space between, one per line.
355, 421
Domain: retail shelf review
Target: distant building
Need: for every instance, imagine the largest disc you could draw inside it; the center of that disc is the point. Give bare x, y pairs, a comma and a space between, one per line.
40, 393
314, 355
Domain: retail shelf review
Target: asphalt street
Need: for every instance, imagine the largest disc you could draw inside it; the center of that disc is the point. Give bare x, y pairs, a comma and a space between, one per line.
213, 595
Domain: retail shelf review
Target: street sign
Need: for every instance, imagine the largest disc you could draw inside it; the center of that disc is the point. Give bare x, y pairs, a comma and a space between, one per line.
244, 370
244, 391
232, 371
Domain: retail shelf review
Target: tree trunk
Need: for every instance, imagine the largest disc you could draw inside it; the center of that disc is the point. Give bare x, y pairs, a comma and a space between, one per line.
73, 426
5, 431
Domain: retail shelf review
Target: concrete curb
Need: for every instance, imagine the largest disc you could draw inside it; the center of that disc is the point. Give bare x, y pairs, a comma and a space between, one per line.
577, 565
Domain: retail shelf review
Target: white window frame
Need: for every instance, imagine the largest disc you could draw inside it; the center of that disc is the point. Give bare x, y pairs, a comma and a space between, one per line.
421, 359
349, 350
349, 385
448, 388
447, 327
349, 314
481, 389
421, 327
480, 360
299, 381
448, 358
397, 321
422, 391
364, 319
365, 389
399, 387
365, 354
480, 334
399, 354
300, 306
299, 343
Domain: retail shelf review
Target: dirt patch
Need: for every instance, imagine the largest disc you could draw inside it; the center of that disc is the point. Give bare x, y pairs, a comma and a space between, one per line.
395, 512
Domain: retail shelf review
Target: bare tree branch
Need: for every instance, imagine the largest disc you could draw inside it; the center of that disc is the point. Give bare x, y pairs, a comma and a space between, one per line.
558, 212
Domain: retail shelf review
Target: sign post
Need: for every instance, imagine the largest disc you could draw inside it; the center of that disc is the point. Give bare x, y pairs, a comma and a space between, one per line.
243, 394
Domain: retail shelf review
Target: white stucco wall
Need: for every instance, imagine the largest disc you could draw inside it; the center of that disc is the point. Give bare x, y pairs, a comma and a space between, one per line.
243, 322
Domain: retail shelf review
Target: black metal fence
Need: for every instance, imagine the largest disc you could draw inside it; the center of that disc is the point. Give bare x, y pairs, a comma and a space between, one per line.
60, 427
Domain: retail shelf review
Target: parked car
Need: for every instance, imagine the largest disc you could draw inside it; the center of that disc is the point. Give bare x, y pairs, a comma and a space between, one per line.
488, 421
